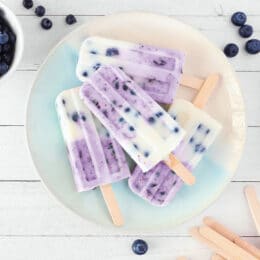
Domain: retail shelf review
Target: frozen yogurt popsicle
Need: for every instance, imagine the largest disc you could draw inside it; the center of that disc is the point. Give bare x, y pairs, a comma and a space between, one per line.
160, 184
146, 132
156, 70
95, 157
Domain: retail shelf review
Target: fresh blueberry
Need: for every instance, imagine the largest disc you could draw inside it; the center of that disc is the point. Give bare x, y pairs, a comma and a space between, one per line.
40, 11
7, 57
3, 68
231, 50
28, 4
253, 46
139, 247
112, 52
4, 38
245, 31
12, 37
7, 47
71, 19
238, 18
46, 23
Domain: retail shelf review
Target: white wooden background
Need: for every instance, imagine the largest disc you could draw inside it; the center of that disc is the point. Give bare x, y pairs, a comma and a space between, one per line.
32, 224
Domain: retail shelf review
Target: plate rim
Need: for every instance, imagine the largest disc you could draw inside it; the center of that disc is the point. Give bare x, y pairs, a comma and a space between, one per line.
243, 131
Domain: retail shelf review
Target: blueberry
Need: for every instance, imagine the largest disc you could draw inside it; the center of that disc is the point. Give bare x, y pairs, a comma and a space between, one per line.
131, 128
139, 247
40, 11
125, 87
46, 23
245, 31
75, 117
146, 154
85, 74
127, 109
96, 66
253, 46
112, 52
28, 4
176, 130
231, 50
71, 19
238, 18
3, 68
7, 47
151, 120
7, 57
4, 38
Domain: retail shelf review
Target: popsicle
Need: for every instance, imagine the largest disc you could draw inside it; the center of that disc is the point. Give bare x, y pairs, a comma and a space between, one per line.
160, 185
96, 158
145, 131
156, 70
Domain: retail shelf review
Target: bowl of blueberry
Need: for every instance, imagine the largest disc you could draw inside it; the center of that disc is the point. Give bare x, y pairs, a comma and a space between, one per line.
11, 42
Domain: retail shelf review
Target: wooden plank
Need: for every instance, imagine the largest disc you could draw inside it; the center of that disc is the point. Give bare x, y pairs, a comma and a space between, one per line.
27, 210
13, 97
216, 30
19, 167
184, 7
93, 248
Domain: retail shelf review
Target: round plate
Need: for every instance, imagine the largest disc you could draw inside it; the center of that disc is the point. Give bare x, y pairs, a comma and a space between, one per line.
226, 105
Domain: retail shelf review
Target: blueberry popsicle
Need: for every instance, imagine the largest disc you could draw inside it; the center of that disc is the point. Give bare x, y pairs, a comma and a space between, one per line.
160, 185
145, 131
95, 157
156, 70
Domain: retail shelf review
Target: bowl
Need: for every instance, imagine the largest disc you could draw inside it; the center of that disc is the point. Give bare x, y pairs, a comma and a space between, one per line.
15, 24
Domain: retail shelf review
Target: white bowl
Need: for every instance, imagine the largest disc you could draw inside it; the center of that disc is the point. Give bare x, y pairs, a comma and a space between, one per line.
17, 29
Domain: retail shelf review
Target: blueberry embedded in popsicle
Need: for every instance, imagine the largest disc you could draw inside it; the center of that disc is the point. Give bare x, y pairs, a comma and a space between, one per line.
159, 62
131, 128
112, 52
135, 146
125, 87
176, 130
85, 73
146, 154
63, 101
151, 120
127, 110
96, 66
93, 52
159, 114
75, 117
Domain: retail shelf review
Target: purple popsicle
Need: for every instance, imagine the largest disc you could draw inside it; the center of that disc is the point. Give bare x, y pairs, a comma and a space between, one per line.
156, 70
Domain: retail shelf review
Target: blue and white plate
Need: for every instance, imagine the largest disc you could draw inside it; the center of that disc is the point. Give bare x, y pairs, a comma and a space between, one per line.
213, 173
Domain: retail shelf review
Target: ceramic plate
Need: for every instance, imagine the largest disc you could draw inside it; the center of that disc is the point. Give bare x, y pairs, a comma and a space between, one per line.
226, 105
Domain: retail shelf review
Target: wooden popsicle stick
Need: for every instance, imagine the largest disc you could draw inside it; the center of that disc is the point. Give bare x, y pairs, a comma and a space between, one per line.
226, 245
254, 205
231, 236
217, 257
112, 204
205, 91
196, 234
191, 82
175, 165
